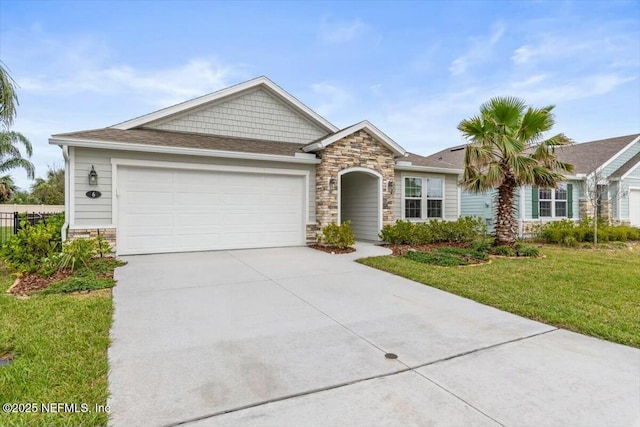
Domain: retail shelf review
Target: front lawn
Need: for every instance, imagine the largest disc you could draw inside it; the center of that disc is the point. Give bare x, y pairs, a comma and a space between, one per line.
59, 349
593, 292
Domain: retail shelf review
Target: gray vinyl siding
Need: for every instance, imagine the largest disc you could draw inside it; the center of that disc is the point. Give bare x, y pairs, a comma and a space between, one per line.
359, 199
621, 160
98, 211
450, 193
255, 114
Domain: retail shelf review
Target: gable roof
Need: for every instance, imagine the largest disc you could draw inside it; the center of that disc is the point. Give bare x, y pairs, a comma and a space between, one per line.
363, 125
589, 156
586, 156
259, 82
175, 142
622, 171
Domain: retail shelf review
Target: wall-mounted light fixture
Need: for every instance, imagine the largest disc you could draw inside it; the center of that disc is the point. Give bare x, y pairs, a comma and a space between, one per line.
391, 187
93, 176
332, 184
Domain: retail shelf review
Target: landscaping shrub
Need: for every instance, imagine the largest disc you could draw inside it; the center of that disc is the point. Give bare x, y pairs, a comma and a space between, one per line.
341, 236
32, 244
78, 252
420, 233
523, 250
400, 233
568, 233
503, 250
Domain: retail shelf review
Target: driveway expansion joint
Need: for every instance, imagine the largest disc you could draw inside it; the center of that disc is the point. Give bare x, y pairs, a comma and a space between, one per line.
385, 375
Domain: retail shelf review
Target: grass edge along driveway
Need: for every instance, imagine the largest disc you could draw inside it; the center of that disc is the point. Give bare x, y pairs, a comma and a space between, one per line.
593, 292
60, 346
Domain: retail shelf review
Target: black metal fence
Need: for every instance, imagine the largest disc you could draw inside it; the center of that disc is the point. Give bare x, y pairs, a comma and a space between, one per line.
11, 222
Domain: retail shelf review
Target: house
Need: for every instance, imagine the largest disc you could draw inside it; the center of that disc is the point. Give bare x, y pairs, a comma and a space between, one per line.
246, 167
614, 163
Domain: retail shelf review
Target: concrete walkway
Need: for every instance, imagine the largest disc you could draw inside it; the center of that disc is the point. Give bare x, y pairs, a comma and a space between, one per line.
298, 337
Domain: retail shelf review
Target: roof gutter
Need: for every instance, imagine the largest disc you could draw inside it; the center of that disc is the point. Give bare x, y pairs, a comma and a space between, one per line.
125, 146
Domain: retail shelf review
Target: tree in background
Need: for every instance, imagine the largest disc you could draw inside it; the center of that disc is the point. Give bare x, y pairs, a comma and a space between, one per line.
507, 150
10, 155
7, 188
49, 191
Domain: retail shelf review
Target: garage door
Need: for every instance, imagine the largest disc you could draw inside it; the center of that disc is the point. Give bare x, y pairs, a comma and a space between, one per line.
171, 210
634, 207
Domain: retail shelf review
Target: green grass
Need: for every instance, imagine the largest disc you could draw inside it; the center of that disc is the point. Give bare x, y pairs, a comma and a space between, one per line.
594, 292
60, 345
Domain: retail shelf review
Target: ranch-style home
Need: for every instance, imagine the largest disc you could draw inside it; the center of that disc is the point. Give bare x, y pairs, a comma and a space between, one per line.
249, 166
614, 163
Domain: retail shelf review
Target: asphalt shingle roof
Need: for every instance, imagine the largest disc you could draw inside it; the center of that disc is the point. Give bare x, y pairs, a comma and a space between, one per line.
586, 156
185, 140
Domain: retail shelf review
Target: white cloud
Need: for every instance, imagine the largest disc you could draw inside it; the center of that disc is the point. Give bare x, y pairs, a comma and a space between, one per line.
480, 50
333, 98
161, 87
341, 32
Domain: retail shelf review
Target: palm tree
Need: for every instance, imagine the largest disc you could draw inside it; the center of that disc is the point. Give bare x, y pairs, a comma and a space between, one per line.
8, 97
507, 150
10, 155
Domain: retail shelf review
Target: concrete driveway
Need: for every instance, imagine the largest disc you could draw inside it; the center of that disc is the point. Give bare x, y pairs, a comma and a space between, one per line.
298, 337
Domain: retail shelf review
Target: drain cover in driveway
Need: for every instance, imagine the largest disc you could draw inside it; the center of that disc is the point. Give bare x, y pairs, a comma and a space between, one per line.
391, 356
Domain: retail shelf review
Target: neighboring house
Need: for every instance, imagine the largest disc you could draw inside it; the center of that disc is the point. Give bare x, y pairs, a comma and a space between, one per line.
245, 167
615, 162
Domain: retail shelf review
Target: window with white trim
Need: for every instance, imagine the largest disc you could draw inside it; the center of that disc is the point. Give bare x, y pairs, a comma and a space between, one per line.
553, 202
421, 204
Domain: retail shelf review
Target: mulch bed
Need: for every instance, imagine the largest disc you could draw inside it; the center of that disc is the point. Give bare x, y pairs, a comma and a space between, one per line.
400, 250
32, 283
332, 250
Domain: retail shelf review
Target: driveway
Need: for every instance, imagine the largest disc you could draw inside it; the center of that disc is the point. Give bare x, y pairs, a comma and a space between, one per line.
298, 337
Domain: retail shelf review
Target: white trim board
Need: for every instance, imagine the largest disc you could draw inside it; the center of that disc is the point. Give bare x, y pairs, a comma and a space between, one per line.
363, 125
125, 146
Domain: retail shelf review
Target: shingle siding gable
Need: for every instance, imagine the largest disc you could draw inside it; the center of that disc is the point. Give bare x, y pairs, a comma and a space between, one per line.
256, 115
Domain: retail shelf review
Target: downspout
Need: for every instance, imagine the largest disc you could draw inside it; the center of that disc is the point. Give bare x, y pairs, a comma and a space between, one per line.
65, 226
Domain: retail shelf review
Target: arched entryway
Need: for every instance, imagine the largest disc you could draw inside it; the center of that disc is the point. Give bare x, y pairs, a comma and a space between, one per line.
360, 201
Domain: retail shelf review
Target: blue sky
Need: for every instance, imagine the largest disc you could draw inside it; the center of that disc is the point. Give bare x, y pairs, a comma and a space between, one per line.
414, 69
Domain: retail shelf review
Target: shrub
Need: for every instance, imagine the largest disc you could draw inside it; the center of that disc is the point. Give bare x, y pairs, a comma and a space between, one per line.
32, 244
481, 245
400, 233
566, 232
503, 250
526, 250
341, 236
420, 233
78, 252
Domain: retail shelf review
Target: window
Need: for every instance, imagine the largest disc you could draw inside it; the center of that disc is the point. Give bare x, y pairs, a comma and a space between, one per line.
419, 204
413, 198
553, 202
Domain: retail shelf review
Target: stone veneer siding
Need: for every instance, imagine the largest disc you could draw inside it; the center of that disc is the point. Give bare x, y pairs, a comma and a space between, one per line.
108, 234
356, 150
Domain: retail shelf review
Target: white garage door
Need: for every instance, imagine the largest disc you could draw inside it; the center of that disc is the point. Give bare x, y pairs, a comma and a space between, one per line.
634, 207
170, 210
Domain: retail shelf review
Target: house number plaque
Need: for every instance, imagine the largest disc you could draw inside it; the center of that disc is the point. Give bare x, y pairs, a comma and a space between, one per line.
93, 194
